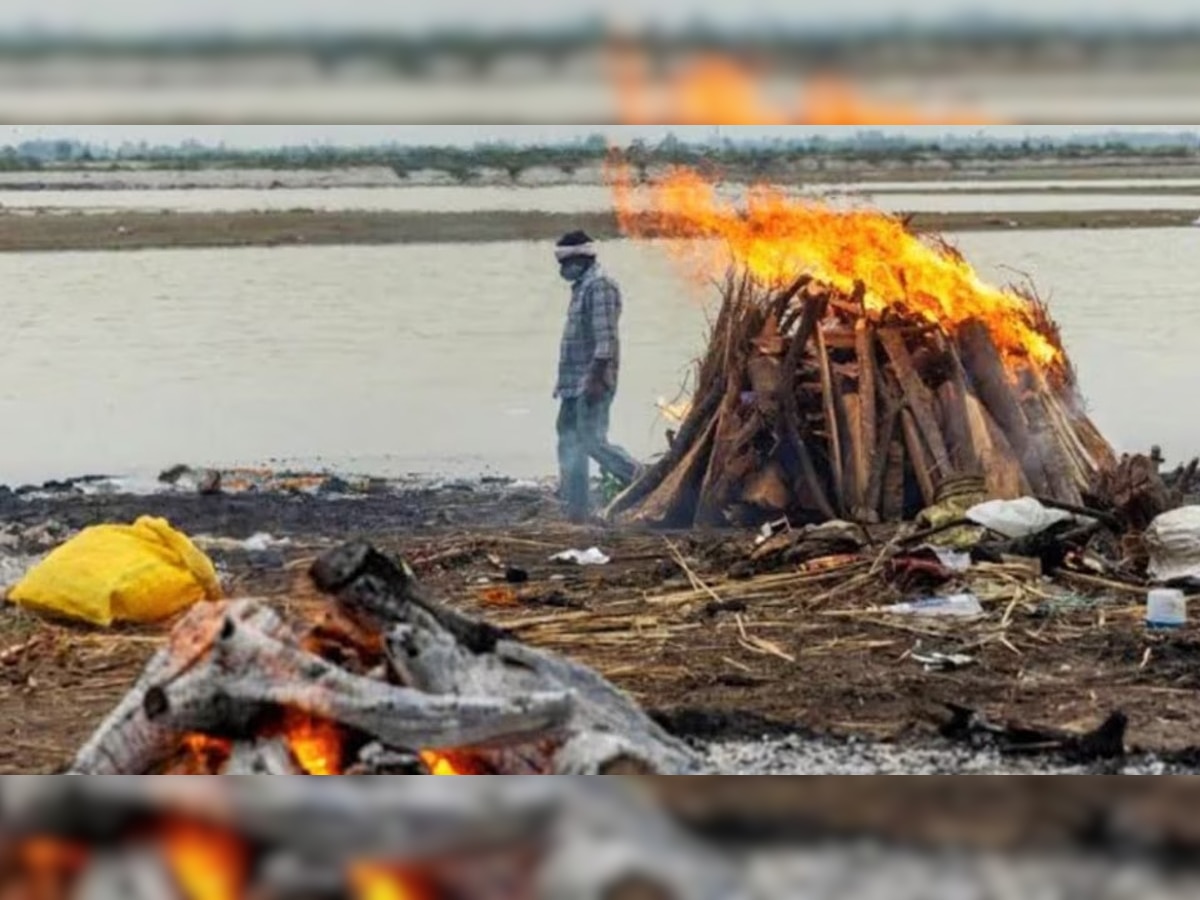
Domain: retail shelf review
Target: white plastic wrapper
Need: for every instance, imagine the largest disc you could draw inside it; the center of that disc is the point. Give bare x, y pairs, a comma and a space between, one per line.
1015, 519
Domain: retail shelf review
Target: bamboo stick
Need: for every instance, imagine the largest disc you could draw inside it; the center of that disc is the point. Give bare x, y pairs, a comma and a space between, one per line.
892, 501
1062, 480
873, 500
868, 434
780, 304
1001, 470
692, 430
991, 383
920, 405
807, 480
857, 472
921, 464
833, 424
953, 405
682, 482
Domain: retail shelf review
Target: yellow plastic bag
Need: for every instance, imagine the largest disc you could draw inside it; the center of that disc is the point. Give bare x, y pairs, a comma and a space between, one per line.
141, 573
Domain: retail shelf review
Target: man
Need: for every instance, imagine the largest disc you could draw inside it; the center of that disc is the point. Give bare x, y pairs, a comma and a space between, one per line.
588, 370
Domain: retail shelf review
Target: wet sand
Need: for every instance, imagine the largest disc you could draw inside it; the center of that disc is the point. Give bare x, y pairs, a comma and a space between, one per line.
146, 230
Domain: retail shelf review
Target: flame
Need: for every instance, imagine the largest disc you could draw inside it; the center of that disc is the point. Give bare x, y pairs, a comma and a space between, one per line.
776, 238
450, 764
200, 754
316, 744
208, 863
49, 865
719, 90
370, 881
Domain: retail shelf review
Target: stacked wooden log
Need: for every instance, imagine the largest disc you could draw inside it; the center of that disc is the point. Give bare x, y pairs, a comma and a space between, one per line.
811, 405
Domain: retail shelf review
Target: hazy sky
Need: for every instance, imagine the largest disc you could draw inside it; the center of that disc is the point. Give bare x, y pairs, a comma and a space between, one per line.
276, 135
153, 15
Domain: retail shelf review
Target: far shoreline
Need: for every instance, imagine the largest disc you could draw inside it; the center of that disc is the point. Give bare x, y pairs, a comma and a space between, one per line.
112, 231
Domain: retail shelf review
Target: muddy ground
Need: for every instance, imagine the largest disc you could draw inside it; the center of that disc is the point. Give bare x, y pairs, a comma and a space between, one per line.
744, 664
22, 232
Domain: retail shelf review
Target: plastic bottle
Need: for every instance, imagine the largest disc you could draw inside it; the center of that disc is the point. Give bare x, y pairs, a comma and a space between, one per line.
1166, 609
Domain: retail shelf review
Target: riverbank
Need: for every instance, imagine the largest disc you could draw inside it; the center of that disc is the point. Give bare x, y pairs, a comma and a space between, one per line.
46, 231
722, 655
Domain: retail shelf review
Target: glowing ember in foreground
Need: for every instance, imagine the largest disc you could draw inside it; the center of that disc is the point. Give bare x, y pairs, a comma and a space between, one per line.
776, 238
442, 764
201, 755
377, 882
49, 865
208, 863
315, 744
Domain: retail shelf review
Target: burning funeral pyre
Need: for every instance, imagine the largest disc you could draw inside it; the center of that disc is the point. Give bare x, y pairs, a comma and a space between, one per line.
855, 371
384, 682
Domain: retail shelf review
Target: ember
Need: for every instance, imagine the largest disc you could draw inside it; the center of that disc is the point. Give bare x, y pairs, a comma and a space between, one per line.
371, 881
381, 839
451, 764
315, 743
887, 372
208, 863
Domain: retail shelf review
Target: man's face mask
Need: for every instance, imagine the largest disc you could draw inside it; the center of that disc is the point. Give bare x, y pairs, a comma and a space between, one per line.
574, 269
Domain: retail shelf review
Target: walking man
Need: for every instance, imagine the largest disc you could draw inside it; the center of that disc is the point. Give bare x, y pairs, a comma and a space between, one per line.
588, 370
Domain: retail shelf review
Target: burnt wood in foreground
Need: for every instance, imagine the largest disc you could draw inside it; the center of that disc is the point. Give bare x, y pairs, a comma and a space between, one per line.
420, 678
575, 839
605, 733
230, 666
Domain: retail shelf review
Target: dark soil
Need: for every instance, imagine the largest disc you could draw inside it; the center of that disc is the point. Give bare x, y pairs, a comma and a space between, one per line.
489, 551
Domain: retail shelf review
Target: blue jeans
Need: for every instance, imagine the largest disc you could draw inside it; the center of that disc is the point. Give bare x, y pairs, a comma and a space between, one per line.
582, 437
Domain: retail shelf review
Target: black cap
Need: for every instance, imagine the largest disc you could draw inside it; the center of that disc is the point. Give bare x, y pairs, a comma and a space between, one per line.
575, 239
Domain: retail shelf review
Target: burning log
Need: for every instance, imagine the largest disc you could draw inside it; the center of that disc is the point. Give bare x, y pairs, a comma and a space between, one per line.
240, 691
243, 672
846, 409
483, 840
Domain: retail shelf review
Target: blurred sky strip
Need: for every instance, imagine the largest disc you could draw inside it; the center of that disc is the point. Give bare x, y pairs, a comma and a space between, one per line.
684, 62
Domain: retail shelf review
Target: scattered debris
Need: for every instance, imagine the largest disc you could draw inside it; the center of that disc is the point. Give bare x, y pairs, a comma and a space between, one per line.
943, 662
964, 606
1107, 742
592, 557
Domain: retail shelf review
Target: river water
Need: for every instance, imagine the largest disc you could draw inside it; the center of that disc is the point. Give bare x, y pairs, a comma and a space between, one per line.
441, 358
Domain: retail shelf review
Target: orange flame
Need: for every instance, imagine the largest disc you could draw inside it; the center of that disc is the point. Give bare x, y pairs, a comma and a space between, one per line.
208, 863
718, 90
49, 865
450, 764
370, 881
201, 755
316, 744
776, 238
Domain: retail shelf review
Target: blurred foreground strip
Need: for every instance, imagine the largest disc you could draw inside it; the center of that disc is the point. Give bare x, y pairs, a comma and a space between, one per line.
173, 838
129, 838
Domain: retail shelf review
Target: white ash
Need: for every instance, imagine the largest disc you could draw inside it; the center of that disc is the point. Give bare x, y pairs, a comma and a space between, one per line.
867, 872
806, 756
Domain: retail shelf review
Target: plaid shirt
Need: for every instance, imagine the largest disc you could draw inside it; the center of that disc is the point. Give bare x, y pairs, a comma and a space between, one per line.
591, 334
